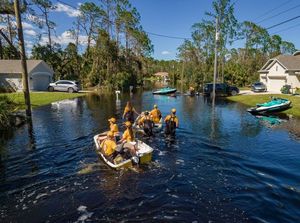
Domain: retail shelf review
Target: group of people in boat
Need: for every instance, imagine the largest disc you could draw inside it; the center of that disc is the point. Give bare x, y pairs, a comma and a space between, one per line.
112, 144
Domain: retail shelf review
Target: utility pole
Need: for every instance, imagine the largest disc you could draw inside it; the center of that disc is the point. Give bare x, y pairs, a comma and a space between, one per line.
216, 59
23, 58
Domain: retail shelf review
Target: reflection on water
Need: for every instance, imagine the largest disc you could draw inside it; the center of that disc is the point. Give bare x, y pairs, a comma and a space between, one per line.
224, 165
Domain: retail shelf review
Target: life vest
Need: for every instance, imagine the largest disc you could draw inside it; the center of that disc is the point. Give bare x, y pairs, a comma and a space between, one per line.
129, 116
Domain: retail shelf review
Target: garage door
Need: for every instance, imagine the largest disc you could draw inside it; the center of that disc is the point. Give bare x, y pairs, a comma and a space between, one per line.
40, 82
275, 84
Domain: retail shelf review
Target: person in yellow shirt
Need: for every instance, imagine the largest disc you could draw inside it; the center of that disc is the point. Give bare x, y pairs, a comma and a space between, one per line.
146, 122
113, 126
129, 111
171, 123
128, 139
156, 114
109, 146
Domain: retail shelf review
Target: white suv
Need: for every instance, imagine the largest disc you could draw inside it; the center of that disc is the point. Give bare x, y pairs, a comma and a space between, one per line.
64, 85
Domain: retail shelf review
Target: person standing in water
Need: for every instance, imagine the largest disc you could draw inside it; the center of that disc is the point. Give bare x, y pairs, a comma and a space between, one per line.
146, 122
172, 123
156, 114
129, 111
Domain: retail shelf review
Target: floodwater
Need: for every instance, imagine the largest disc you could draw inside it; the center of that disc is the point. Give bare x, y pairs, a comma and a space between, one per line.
223, 166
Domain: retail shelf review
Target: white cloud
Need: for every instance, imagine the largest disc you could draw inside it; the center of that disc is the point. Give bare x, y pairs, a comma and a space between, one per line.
165, 52
64, 39
67, 9
25, 25
30, 32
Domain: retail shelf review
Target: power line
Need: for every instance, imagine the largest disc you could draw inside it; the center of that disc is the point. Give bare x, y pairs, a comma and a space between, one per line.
272, 10
150, 33
166, 36
278, 24
288, 28
280, 13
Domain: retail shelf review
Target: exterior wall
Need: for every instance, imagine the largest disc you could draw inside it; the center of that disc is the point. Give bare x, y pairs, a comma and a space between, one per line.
293, 80
263, 78
276, 70
40, 77
11, 81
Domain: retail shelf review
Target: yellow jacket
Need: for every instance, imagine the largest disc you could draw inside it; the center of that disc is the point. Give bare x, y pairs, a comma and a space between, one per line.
127, 136
156, 114
114, 129
174, 119
108, 146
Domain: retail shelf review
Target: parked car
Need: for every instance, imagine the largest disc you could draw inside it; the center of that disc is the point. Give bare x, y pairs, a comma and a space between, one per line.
258, 87
222, 89
64, 85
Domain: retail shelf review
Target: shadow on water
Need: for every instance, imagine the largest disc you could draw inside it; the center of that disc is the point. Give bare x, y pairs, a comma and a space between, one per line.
224, 165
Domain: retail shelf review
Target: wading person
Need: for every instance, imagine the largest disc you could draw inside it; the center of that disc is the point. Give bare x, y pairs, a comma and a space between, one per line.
156, 114
129, 111
146, 122
171, 123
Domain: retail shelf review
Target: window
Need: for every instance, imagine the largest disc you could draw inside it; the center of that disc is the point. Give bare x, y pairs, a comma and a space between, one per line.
276, 68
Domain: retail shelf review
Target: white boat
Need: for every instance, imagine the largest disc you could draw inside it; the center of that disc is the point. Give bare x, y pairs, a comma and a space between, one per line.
157, 126
144, 154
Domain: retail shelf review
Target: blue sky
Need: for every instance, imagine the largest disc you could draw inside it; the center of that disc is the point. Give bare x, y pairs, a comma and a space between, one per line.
175, 18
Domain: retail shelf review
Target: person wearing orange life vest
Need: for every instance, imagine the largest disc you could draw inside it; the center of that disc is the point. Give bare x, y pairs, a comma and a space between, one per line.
172, 123
156, 114
109, 146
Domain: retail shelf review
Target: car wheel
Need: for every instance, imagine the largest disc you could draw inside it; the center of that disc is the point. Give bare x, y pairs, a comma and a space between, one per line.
50, 88
70, 90
233, 92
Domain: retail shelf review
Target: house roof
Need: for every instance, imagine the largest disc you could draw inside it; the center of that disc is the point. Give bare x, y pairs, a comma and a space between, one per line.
161, 74
288, 62
14, 66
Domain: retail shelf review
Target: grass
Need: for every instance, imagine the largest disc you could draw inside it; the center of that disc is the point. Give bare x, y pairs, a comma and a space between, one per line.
252, 100
40, 98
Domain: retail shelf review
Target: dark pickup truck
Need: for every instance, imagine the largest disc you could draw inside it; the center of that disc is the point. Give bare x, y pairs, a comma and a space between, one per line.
222, 89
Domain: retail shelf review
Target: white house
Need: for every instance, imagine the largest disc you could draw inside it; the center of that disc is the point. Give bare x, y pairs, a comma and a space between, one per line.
39, 74
281, 70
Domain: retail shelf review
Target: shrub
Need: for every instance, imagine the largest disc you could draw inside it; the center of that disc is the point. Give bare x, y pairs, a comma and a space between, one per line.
6, 107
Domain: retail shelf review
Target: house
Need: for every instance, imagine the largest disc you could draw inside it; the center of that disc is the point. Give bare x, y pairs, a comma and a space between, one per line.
281, 70
39, 74
162, 76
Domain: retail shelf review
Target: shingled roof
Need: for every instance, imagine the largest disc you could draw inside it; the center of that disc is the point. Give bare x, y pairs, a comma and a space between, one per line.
289, 62
14, 66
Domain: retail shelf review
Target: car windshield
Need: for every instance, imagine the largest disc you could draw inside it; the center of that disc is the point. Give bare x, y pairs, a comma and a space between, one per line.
258, 84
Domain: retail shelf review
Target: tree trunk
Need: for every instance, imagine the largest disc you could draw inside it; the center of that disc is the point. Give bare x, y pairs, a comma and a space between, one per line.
48, 29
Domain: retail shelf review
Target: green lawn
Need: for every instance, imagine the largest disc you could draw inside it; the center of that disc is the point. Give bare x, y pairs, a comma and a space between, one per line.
252, 100
40, 98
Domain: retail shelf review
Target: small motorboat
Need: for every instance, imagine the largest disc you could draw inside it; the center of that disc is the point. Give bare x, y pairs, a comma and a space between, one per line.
157, 126
275, 105
166, 90
144, 153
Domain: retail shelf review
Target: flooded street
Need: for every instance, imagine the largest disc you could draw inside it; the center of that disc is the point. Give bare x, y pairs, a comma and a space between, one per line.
223, 166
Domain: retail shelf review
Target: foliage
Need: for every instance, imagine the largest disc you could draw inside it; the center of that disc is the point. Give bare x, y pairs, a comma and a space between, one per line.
6, 107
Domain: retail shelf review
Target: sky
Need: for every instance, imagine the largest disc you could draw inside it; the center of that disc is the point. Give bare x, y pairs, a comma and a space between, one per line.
176, 17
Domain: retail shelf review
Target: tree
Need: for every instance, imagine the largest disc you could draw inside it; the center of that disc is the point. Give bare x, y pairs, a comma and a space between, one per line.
45, 6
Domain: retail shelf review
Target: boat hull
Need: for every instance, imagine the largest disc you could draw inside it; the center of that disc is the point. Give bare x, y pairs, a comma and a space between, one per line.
270, 109
144, 153
164, 92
